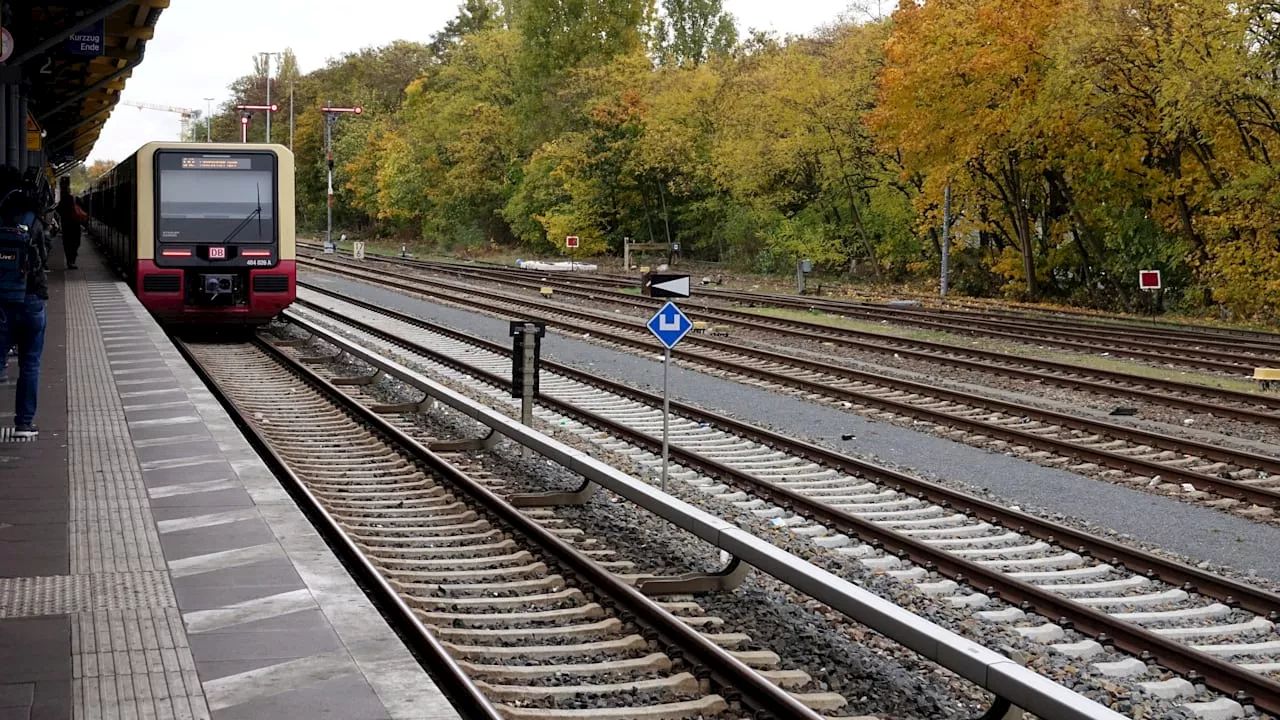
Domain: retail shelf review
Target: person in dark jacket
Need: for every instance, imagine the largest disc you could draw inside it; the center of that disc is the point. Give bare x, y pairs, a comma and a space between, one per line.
71, 216
23, 323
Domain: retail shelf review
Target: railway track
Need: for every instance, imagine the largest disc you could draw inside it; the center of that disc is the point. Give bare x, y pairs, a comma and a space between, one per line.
943, 542
1234, 355
1234, 480
1090, 318
540, 618
1224, 356
1221, 338
1249, 407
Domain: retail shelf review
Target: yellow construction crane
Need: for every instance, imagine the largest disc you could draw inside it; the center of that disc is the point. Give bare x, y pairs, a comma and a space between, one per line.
185, 114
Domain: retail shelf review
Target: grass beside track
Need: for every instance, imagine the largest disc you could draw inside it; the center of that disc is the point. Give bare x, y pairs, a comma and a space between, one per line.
1028, 350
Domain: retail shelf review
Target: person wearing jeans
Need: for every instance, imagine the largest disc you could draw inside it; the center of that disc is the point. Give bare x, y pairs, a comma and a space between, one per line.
22, 322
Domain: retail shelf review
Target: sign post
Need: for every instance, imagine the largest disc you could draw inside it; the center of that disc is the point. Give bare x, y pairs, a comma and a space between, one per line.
669, 325
1149, 281
803, 268
357, 250
946, 239
571, 243
330, 117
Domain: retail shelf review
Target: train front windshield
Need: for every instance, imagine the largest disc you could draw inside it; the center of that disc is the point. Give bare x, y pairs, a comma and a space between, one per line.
216, 198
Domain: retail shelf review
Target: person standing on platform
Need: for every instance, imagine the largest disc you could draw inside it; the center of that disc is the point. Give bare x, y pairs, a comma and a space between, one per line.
71, 217
24, 290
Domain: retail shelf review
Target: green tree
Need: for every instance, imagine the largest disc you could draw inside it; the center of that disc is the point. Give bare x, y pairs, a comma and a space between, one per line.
584, 182
691, 31
793, 141
446, 161
563, 34
473, 16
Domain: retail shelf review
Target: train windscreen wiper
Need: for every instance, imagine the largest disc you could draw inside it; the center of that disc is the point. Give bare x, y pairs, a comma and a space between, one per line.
256, 211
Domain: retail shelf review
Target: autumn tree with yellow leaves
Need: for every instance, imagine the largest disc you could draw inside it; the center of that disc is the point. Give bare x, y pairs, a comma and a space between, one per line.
1081, 140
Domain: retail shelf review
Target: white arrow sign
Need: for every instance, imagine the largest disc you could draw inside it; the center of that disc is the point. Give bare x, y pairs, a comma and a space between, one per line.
665, 286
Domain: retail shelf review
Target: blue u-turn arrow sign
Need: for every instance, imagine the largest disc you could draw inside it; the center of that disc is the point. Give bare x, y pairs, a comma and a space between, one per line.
670, 325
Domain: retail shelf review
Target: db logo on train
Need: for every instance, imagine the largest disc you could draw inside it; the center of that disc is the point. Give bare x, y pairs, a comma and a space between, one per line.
217, 253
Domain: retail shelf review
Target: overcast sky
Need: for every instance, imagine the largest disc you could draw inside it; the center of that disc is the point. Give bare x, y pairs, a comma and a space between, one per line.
201, 46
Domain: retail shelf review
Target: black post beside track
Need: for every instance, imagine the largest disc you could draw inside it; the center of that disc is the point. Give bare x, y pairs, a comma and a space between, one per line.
1218, 674
739, 681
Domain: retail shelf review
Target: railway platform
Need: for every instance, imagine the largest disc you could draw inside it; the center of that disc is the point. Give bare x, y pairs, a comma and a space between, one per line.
151, 566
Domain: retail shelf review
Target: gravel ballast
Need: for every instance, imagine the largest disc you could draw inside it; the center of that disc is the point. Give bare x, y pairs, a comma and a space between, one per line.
776, 604
876, 675
1195, 532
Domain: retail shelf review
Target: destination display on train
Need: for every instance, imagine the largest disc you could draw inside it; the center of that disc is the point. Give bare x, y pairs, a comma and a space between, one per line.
215, 163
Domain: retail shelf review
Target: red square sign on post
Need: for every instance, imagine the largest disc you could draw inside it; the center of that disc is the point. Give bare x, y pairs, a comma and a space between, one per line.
571, 241
1149, 279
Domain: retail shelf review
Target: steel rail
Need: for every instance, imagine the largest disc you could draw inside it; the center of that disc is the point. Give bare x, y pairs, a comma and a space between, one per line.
1074, 339
1009, 681
1192, 579
449, 677
1054, 327
1262, 348
739, 680
1119, 330
1205, 360
869, 341
1222, 676
1221, 486
1074, 318
1086, 319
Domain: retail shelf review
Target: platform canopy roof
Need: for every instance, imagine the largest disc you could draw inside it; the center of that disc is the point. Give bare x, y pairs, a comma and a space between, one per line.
71, 91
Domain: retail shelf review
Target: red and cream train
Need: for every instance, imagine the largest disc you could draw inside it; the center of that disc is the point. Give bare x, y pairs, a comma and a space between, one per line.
203, 233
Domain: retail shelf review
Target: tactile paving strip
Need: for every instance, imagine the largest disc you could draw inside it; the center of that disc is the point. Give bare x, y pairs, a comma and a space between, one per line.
111, 524
63, 594
54, 595
134, 663
129, 648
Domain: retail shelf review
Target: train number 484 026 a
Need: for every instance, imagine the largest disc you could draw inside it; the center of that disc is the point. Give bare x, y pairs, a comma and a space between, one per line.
264, 262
